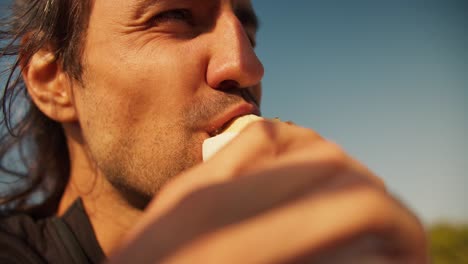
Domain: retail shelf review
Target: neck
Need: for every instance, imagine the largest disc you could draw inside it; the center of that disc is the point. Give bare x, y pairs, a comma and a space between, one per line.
110, 214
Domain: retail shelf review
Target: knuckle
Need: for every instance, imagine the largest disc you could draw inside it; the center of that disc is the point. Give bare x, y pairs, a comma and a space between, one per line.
263, 130
308, 134
335, 156
381, 214
380, 184
376, 206
375, 198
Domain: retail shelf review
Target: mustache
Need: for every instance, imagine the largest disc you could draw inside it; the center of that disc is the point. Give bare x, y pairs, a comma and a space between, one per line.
205, 109
243, 93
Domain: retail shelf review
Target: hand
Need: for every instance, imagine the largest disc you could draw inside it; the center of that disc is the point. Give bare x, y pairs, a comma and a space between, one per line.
277, 193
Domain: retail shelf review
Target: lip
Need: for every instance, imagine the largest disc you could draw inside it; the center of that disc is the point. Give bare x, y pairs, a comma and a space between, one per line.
230, 114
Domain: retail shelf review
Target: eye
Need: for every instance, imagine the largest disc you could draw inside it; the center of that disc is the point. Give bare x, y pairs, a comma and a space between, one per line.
174, 15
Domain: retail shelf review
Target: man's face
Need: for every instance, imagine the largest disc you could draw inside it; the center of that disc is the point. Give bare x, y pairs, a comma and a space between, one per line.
159, 77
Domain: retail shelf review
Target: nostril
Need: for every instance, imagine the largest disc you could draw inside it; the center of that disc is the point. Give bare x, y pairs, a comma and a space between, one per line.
228, 84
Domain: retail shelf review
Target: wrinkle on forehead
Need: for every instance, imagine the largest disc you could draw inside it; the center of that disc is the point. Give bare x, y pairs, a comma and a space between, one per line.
243, 7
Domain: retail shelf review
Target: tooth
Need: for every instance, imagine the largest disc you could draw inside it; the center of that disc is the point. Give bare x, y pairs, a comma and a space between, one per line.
214, 144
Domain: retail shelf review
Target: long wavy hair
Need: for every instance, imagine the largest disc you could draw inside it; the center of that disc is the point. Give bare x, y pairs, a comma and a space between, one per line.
34, 159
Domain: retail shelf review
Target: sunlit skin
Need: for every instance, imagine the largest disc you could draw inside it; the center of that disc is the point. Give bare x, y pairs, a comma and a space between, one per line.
155, 81
153, 84
160, 76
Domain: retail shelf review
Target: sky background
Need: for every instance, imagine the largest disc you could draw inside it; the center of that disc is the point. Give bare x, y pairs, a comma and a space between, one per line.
387, 80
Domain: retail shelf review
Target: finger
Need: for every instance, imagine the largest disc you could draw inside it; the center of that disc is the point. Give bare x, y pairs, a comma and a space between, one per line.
310, 225
261, 142
258, 144
311, 161
235, 201
325, 157
247, 196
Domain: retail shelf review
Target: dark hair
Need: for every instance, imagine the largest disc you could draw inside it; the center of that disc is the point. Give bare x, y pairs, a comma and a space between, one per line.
34, 160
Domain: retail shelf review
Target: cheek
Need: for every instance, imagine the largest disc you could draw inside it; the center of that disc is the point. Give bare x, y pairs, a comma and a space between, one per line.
108, 115
139, 91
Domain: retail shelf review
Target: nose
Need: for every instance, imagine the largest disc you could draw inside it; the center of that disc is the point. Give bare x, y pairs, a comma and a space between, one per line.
232, 59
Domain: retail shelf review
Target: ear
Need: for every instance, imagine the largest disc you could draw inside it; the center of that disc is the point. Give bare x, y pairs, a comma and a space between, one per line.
49, 86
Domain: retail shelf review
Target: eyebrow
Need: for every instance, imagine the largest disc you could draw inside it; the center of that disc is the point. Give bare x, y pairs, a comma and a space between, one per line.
246, 15
140, 7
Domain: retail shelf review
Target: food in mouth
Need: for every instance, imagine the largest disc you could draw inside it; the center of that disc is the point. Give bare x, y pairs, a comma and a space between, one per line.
212, 145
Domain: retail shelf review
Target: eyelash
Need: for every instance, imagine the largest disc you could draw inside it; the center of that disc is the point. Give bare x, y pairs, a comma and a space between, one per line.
183, 15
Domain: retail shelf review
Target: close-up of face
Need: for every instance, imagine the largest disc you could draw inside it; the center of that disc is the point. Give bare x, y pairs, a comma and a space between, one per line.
159, 78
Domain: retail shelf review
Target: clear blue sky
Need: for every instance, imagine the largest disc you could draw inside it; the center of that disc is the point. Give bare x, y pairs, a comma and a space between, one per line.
388, 80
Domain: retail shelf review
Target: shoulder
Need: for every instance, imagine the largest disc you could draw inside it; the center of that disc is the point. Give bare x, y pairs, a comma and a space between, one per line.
66, 239
18, 235
17, 224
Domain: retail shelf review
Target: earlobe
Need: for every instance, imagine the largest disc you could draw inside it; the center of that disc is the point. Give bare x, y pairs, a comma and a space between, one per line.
49, 86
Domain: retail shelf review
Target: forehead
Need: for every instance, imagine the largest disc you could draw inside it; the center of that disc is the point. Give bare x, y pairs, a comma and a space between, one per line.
150, 2
132, 11
142, 5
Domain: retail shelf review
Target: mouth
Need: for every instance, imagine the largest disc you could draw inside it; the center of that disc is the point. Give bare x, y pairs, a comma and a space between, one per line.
223, 127
225, 119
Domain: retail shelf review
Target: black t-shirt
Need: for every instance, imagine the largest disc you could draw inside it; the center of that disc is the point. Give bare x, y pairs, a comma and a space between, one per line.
68, 239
